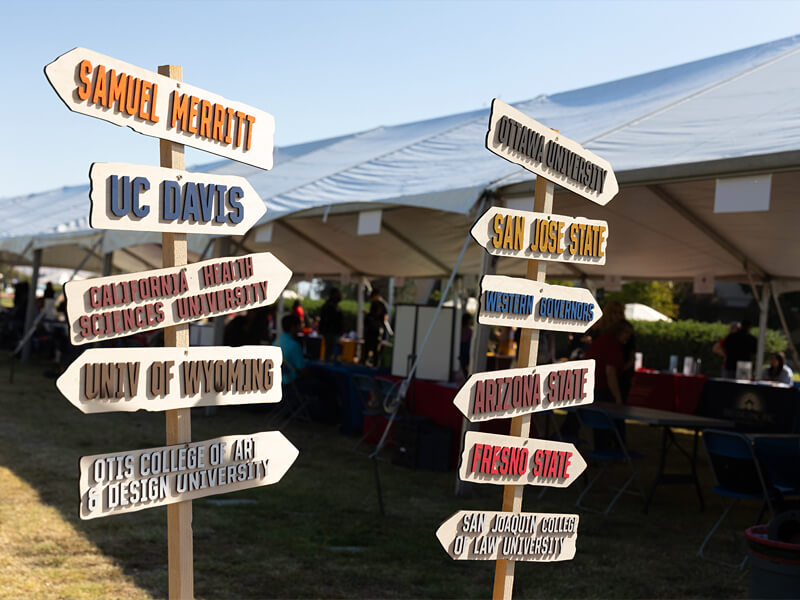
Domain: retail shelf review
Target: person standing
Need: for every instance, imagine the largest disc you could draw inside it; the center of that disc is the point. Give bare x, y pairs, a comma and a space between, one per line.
739, 346
331, 323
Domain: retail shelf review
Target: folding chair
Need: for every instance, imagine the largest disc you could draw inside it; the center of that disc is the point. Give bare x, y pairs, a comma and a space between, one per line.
779, 458
294, 403
605, 426
737, 474
373, 392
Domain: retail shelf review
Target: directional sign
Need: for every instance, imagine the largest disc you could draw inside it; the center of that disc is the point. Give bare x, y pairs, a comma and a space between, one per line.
126, 482
513, 135
111, 307
510, 460
121, 93
130, 379
515, 392
140, 198
493, 535
541, 236
511, 301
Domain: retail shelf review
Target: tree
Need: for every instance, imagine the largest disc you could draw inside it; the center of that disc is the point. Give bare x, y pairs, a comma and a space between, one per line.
655, 294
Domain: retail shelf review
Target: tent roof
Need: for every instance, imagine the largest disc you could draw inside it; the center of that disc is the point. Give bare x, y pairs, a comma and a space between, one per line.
667, 133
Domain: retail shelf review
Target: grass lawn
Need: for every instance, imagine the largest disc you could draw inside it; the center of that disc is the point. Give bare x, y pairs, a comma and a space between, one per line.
317, 533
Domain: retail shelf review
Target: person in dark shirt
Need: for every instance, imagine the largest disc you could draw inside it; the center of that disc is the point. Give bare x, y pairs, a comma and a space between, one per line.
607, 351
331, 323
738, 346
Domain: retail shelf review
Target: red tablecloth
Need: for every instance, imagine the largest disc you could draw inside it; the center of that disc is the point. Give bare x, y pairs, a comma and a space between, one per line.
666, 391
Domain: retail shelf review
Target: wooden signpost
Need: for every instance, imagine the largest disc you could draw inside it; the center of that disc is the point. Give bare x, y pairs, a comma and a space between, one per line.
170, 200
540, 236
125, 482
157, 379
515, 392
511, 460
515, 302
143, 198
159, 105
513, 135
493, 535
111, 307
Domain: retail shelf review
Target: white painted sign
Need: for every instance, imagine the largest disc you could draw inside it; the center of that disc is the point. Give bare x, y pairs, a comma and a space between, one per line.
121, 93
515, 392
142, 198
511, 460
516, 302
494, 535
513, 135
111, 307
126, 482
541, 236
130, 379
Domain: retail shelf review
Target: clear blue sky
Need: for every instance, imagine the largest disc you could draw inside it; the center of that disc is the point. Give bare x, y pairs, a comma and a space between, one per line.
328, 68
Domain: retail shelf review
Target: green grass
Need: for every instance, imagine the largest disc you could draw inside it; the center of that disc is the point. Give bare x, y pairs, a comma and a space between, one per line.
289, 543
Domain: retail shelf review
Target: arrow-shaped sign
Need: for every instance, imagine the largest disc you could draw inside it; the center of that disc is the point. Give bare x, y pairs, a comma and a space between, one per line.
142, 198
111, 307
493, 535
515, 392
510, 460
515, 302
130, 379
93, 84
541, 236
126, 482
513, 135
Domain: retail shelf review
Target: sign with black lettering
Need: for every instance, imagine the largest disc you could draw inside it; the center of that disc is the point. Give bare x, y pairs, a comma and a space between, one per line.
513, 135
512, 460
515, 392
141, 198
541, 236
515, 302
125, 482
99, 86
494, 535
111, 307
154, 379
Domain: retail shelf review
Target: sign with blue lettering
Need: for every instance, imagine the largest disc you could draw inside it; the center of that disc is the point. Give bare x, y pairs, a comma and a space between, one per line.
515, 302
513, 135
143, 198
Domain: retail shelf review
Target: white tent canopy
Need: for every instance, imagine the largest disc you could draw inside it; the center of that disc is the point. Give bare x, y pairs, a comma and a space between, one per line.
669, 134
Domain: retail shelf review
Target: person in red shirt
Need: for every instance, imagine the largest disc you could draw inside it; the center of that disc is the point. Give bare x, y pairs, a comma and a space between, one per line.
297, 311
606, 350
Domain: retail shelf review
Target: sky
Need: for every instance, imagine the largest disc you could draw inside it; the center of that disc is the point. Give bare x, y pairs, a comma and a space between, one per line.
330, 68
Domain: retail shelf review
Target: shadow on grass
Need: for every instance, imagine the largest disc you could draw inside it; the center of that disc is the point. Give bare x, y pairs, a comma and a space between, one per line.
318, 533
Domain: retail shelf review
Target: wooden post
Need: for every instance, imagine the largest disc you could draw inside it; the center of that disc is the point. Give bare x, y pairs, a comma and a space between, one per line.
178, 422
30, 305
521, 426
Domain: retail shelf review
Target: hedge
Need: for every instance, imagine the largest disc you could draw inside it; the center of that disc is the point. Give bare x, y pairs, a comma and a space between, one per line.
657, 340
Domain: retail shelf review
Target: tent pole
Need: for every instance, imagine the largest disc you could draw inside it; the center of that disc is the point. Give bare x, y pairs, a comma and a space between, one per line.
278, 318
762, 330
786, 332
31, 303
108, 264
360, 314
390, 298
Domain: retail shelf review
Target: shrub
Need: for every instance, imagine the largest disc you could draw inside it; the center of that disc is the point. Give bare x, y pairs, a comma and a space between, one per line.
657, 340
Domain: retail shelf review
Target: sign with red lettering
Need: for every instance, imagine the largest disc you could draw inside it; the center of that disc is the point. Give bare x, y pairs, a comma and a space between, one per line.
515, 392
141, 198
121, 93
515, 302
494, 535
111, 307
513, 135
130, 379
126, 482
511, 460
541, 236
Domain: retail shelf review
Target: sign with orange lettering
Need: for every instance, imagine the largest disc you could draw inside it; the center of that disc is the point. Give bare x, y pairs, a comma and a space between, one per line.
154, 379
141, 198
112, 307
512, 460
513, 135
121, 93
541, 236
515, 392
